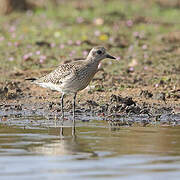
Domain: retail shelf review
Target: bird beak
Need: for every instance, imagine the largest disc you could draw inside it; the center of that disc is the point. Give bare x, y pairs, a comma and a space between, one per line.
109, 56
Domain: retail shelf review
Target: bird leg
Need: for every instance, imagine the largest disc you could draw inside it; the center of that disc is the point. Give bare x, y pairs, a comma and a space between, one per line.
62, 111
74, 106
62, 106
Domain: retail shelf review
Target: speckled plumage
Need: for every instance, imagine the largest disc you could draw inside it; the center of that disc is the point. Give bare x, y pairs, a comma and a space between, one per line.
71, 77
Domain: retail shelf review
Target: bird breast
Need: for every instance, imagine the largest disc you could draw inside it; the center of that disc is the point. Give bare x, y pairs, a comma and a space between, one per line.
80, 79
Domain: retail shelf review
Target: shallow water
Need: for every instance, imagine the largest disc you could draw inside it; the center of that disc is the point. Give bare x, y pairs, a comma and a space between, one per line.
31, 148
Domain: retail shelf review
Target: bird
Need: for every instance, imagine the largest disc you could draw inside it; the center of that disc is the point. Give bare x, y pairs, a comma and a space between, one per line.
73, 77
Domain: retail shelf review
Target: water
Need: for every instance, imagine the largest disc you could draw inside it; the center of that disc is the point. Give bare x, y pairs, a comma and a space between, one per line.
31, 148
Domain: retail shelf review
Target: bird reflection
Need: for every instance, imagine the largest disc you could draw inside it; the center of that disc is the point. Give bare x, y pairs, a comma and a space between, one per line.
73, 132
66, 144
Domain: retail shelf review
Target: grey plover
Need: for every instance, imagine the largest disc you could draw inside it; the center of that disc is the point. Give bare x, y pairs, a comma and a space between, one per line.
74, 76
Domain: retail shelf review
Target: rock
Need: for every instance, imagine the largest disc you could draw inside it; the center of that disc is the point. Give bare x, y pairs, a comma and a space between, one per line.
160, 96
92, 103
146, 94
118, 99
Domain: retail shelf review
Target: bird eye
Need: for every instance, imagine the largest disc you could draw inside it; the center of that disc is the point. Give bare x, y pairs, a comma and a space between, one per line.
99, 52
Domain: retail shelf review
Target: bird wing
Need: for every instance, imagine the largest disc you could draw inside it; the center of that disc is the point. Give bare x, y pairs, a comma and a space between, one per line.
63, 72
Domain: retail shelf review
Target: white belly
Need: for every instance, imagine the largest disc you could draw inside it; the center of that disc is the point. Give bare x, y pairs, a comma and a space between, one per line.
50, 86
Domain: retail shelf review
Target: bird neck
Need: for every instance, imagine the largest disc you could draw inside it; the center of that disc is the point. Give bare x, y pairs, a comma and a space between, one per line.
92, 60
93, 63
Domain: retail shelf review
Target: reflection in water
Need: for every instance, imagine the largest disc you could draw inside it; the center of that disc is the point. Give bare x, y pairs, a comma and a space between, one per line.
65, 145
95, 152
73, 130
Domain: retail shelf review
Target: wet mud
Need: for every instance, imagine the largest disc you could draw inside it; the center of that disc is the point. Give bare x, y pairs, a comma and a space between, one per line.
145, 108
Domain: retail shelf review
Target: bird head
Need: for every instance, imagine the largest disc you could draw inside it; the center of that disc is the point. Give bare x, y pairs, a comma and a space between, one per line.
98, 54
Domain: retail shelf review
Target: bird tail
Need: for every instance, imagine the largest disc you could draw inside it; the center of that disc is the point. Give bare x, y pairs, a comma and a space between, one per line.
30, 79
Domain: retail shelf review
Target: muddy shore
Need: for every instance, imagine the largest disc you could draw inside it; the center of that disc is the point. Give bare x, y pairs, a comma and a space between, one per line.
142, 105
